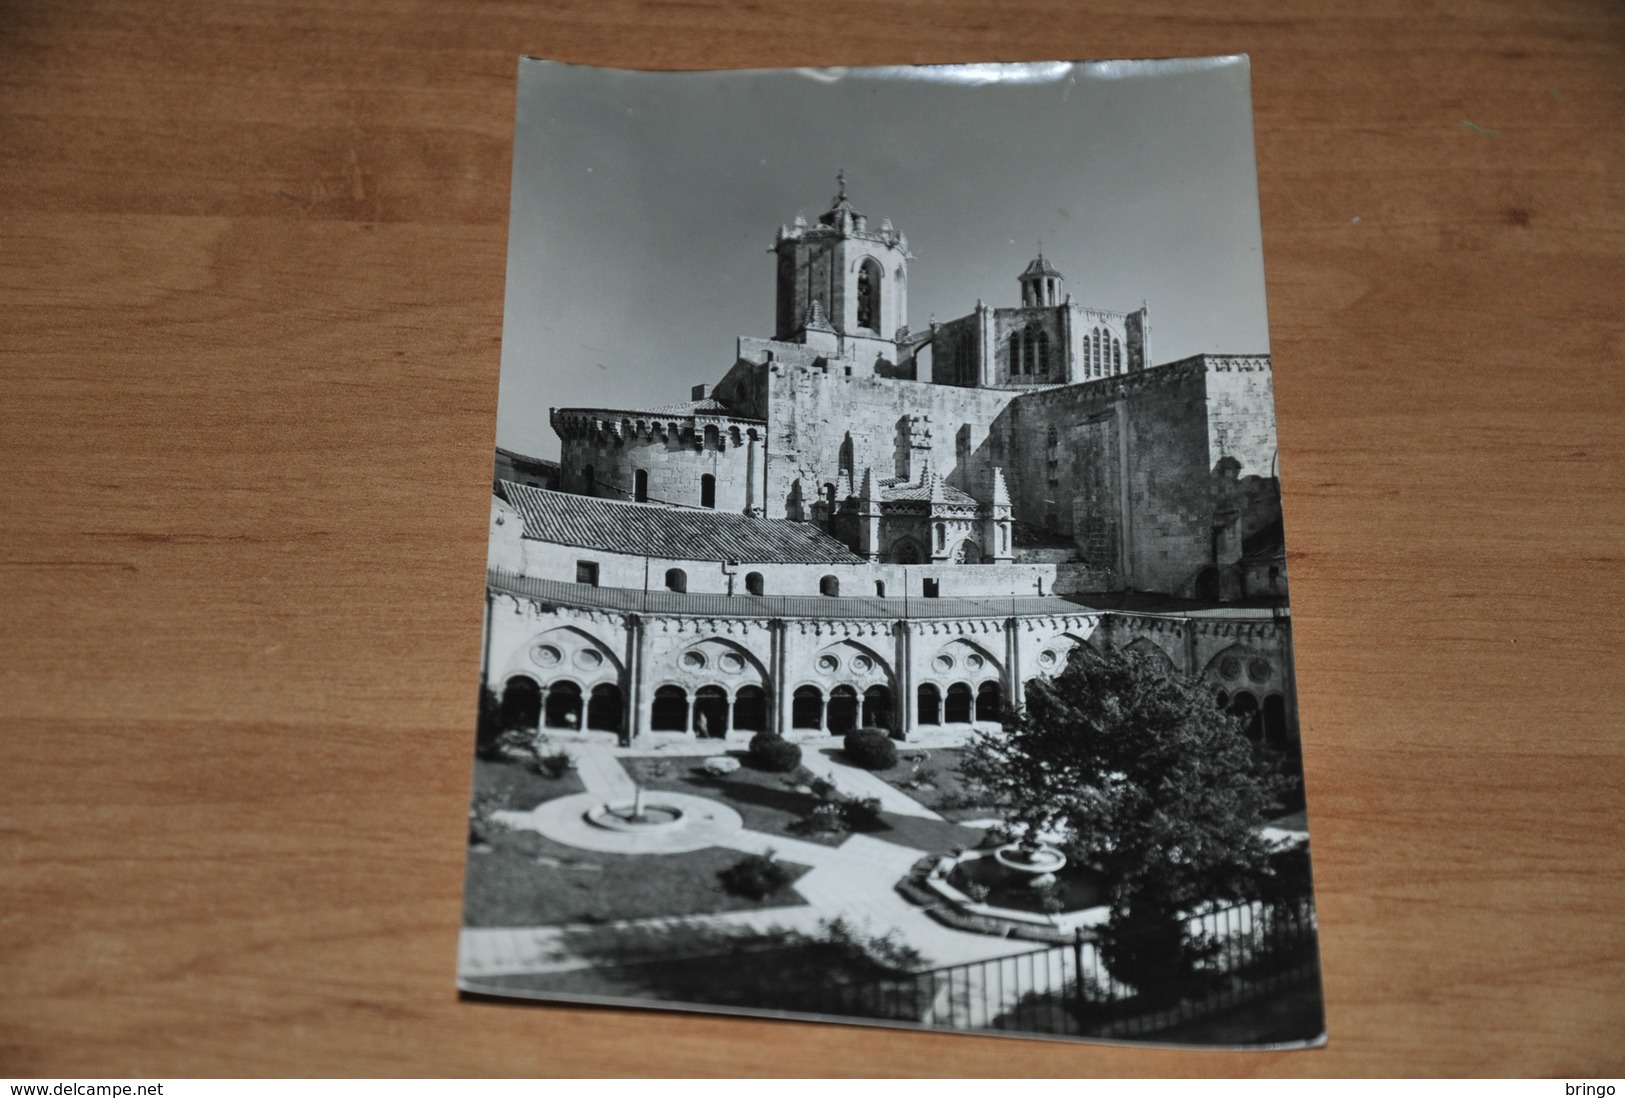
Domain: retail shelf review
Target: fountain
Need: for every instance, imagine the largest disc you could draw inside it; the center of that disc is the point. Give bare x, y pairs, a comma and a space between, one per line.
640, 815
1024, 887
1030, 865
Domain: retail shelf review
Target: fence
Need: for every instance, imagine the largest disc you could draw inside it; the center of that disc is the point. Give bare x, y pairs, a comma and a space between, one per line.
1248, 952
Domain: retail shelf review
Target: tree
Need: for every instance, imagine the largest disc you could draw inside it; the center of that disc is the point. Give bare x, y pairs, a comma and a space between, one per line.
1138, 773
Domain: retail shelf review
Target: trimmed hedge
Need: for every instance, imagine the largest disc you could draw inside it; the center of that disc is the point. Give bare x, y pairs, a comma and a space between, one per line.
771, 753
755, 877
871, 749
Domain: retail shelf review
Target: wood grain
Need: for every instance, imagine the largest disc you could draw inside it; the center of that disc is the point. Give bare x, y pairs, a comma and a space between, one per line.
252, 259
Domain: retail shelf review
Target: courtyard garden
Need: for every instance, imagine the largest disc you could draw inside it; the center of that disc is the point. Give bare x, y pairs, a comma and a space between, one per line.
521, 878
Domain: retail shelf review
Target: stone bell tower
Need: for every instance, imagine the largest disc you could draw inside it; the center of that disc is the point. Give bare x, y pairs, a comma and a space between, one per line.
854, 274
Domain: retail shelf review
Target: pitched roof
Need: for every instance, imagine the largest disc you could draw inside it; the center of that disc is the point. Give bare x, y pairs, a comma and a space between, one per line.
896, 489
703, 407
645, 529
1041, 266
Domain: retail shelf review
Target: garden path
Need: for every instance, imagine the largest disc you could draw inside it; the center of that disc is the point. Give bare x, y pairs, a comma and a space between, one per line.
603, 774
854, 882
861, 783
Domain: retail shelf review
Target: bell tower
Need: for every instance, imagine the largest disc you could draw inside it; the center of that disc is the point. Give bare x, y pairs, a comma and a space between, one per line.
857, 276
1041, 283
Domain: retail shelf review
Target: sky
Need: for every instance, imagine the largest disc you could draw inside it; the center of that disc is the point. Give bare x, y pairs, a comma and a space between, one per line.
645, 207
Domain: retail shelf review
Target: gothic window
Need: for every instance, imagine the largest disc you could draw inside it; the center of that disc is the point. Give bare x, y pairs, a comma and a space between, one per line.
1015, 353
640, 486
869, 295
1043, 354
708, 490
942, 536
844, 458
1117, 356
1096, 364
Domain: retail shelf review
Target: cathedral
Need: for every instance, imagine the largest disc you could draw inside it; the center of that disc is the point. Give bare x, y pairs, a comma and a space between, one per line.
866, 524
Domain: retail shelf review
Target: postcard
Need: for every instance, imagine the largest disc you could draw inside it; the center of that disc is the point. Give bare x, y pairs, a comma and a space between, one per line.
886, 612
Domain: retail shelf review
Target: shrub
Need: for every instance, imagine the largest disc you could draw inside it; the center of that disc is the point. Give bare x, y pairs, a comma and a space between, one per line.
861, 812
823, 818
871, 749
755, 876
976, 891
719, 765
771, 753
555, 764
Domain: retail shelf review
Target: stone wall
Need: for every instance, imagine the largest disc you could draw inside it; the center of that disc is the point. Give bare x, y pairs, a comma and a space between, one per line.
602, 454
814, 414
580, 650
553, 561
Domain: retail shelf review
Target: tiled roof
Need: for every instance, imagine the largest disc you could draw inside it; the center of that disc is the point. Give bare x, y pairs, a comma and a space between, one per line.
705, 407
644, 529
901, 490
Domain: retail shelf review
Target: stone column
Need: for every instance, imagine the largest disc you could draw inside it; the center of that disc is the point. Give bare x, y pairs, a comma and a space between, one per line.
780, 700
637, 654
1016, 692
907, 702
752, 473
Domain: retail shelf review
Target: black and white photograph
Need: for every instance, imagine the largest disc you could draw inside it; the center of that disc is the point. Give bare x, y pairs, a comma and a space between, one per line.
886, 613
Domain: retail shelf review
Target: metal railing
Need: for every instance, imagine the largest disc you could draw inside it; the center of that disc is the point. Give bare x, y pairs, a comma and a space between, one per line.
630, 600
1253, 950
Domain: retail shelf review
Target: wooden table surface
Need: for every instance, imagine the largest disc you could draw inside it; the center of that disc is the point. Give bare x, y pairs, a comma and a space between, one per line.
253, 261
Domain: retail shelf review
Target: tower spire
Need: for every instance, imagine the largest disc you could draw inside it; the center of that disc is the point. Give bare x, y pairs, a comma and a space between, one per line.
840, 183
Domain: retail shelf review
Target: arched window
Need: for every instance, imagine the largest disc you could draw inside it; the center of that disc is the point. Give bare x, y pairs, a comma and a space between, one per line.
563, 708
987, 701
930, 702
807, 708
521, 703
711, 712
957, 709
869, 277
670, 710
676, 580
588, 481
713, 440
1015, 353
877, 707
1042, 339
843, 709
844, 457
753, 583
1245, 706
829, 497
1117, 356
750, 709
1097, 357
880, 589
604, 708
1276, 733
640, 486
942, 536
1053, 438
830, 586
708, 490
